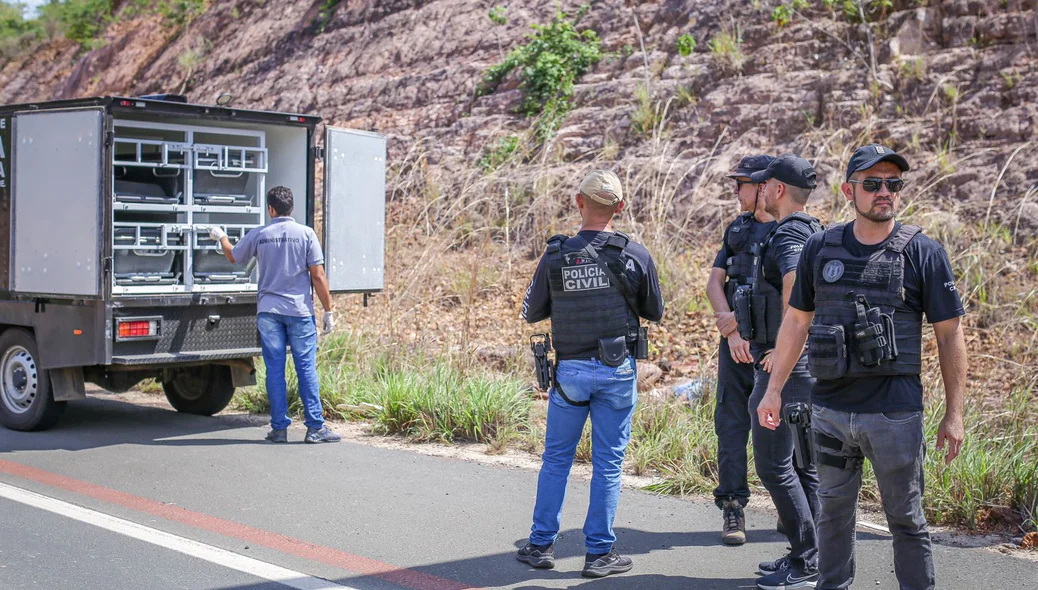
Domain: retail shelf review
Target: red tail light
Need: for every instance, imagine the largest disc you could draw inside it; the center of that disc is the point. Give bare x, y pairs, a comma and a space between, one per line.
130, 329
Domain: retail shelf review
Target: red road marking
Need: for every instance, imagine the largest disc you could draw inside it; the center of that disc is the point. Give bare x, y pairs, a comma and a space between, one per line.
347, 561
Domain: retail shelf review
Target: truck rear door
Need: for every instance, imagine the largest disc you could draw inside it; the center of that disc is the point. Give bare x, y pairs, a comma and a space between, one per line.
57, 202
354, 210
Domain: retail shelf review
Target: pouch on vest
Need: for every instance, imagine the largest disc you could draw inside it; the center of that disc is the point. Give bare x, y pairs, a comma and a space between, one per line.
743, 314
612, 351
827, 352
873, 334
760, 311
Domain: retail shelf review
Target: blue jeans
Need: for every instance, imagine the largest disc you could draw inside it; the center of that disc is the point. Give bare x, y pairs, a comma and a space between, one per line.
612, 393
276, 332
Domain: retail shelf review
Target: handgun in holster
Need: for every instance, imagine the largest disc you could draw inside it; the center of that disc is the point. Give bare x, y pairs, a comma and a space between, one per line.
798, 416
743, 299
541, 346
873, 334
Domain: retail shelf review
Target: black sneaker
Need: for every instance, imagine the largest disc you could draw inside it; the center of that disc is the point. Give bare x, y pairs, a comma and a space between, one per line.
537, 556
734, 527
600, 566
770, 567
321, 435
278, 435
789, 579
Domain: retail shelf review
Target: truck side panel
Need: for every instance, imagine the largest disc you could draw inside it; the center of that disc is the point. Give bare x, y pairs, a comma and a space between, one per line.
67, 335
5, 201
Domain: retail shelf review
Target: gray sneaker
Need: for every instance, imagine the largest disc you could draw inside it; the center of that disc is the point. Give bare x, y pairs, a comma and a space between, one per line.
537, 556
321, 435
278, 435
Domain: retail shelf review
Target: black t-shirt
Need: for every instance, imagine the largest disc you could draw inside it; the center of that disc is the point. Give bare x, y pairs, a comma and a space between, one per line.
778, 259
640, 271
782, 254
758, 231
929, 287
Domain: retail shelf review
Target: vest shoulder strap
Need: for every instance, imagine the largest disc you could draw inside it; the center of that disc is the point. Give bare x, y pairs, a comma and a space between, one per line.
834, 235
618, 240
903, 236
812, 224
555, 242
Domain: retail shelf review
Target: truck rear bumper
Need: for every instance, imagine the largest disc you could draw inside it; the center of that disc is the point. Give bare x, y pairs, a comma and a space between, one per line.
180, 358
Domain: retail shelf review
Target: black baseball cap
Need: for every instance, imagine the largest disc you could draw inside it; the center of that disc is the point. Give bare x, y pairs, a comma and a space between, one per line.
751, 164
868, 156
790, 169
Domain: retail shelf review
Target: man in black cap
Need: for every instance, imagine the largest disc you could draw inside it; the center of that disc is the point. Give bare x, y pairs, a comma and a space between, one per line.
732, 269
861, 292
793, 488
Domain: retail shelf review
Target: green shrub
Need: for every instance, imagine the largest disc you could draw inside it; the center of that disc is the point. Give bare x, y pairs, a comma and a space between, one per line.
686, 45
548, 63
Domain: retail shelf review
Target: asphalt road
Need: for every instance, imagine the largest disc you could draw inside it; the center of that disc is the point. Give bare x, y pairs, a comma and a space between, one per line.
126, 496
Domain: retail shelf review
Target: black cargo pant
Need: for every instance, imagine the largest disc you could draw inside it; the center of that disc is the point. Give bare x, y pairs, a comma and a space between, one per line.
732, 426
793, 488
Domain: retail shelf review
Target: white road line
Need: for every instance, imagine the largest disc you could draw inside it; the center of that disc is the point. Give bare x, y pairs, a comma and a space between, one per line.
222, 557
873, 526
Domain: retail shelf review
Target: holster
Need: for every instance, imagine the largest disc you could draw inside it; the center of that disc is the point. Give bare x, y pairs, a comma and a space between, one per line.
743, 301
541, 346
873, 334
798, 416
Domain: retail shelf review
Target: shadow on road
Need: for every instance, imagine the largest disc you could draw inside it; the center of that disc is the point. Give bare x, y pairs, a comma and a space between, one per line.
98, 422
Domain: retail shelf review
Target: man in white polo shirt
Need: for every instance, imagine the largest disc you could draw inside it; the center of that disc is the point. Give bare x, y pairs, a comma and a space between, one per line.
291, 268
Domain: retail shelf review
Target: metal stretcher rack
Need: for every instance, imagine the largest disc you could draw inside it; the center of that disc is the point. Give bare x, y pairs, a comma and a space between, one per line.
171, 182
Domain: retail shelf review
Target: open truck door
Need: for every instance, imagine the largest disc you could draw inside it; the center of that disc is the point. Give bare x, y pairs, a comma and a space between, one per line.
354, 210
56, 198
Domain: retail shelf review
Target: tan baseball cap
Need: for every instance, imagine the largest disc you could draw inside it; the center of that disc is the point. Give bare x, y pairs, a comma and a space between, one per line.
602, 186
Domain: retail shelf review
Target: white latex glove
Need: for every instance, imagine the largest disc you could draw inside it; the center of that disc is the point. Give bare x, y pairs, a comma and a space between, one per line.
216, 233
329, 322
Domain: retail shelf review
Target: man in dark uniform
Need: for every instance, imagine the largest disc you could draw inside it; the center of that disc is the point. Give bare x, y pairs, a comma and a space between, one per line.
861, 292
732, 269
793, 488
594, 286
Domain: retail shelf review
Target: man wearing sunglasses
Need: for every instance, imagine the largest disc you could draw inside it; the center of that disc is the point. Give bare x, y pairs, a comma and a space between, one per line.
788, 182
861, 292
732, 269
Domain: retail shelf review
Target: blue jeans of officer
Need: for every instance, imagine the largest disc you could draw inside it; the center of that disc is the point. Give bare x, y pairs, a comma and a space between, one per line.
793, 488
732, 426
612, 393
895, 445
300, 333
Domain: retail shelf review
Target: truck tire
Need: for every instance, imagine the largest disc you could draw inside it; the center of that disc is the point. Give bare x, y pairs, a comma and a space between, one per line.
201, 390
26, 400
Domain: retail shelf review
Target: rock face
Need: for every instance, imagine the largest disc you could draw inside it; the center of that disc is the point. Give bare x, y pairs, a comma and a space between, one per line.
952, 84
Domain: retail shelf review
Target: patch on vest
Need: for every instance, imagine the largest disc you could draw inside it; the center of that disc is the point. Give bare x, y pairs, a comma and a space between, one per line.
833, 271
586, 277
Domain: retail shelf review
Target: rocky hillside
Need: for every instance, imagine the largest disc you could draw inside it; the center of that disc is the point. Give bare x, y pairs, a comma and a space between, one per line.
953, 83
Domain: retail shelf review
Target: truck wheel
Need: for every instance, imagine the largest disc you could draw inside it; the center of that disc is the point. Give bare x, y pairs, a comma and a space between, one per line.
26, 400
201, 390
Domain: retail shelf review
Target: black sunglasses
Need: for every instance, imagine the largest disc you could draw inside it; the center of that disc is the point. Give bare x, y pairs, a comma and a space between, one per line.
871, 185
739, 183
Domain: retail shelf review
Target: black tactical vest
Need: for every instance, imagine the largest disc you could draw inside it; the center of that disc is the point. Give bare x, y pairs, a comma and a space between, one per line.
767, 296
585, 306
739, 266
838, 334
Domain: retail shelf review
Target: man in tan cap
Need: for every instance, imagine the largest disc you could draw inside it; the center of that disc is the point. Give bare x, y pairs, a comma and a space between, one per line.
594, 286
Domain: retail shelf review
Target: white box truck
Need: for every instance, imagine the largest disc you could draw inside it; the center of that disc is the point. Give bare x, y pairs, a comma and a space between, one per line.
108, 274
